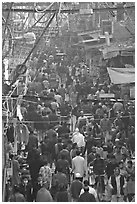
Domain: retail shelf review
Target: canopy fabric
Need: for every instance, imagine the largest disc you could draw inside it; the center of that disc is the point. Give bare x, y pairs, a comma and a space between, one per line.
121, 75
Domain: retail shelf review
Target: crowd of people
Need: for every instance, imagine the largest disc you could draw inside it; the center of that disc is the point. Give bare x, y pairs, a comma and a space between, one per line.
71, 145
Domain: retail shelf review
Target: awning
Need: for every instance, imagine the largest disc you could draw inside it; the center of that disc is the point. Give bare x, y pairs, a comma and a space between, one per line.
121, 75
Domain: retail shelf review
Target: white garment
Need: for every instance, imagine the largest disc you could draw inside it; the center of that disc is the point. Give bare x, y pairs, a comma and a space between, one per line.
79, 139
58, 98
79, 165
81, 118
118, 185
91, 190
54, 105
19, 114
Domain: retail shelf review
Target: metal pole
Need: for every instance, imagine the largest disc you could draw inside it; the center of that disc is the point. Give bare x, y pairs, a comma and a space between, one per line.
6, 23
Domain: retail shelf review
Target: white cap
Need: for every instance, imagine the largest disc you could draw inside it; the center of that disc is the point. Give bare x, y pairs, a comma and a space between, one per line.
76, 130
77, 175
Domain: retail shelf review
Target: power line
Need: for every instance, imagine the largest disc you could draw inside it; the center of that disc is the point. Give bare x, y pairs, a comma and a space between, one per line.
70, 11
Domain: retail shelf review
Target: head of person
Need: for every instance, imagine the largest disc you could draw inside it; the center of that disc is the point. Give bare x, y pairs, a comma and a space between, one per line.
77, 176
109, 142
31, 132
121, 164
117, 141
117, 171
43, 104
118, 114
113, 159
118, 149
86, 183
51, 58
40, 179
25, 179
61, 187
105, 115
63, 157
99, 105
59, 140
98, 144
77, 130
78, 153
86, 189
11, 156
81, 113
44, 161
74, 145
61, 85
46, 184
60, 169
16, 189
98, 156
94, 149
130, 164
130, 178
91, 120
64, 146
124, 157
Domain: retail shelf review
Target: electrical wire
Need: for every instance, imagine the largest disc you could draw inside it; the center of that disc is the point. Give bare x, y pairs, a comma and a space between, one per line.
62, 117
38, 21
44, 9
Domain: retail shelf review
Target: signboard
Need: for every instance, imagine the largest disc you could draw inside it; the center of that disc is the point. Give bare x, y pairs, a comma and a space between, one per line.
107, 95
132, 92
121, 75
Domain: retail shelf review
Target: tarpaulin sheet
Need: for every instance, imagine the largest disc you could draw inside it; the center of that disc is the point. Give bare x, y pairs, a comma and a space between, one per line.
121, 75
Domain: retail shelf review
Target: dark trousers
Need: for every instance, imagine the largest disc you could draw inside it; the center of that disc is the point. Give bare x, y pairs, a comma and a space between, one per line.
101, 181
130, 197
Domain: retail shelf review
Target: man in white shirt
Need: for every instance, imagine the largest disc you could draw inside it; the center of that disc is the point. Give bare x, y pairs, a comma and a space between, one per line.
58, 98
78, 138
54, 105
118, 106
79, 165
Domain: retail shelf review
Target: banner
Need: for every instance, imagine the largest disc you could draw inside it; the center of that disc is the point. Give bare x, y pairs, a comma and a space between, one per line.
121, 75
132, 92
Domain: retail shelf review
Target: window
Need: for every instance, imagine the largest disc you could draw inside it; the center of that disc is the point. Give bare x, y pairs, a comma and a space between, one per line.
106, 27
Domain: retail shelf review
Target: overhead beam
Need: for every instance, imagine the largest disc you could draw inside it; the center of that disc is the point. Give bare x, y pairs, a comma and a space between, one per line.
70, 11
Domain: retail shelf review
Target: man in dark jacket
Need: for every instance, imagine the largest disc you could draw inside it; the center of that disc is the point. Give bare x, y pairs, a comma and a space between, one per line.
44, 195
98, 165
33, 141
86, 196
111, 165
117, 184
76, 187
99, 169
25, 188
34, 162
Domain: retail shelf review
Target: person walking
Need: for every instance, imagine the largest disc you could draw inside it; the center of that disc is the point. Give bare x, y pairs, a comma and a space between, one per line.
86, 196
17, 196
43, 194
117, 184
79, 165
91, 190
75, 187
